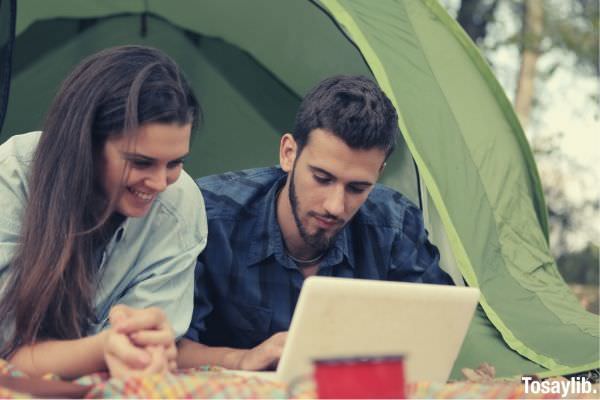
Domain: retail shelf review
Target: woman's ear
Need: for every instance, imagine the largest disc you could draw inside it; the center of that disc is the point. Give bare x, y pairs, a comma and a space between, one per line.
287, 152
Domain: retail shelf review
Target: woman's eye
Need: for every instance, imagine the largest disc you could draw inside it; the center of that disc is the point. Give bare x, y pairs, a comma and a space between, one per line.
175, 164
140, 163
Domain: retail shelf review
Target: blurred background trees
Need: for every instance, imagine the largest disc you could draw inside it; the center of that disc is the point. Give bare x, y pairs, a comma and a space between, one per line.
545, 54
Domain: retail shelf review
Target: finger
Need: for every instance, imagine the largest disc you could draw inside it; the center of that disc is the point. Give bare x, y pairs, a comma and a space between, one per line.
123, 350
273, 365
118, 313
171, 352
146, 319
276, 352
280, 338
159, 362
153, 338
118, 369
263, 356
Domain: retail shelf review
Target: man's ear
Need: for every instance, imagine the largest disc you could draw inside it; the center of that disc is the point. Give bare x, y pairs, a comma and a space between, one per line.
287, 152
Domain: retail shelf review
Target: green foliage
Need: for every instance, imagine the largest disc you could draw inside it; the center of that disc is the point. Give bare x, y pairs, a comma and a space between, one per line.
581, 266
475, 15
569, 25
573, 26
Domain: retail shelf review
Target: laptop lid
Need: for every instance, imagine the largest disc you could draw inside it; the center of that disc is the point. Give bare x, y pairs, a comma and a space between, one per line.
342, 317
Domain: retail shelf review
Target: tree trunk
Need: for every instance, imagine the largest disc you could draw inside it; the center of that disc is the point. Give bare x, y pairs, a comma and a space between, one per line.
533, 26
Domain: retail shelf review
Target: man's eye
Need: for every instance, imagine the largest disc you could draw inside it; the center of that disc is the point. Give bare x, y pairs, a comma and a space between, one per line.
321, 180
355, 190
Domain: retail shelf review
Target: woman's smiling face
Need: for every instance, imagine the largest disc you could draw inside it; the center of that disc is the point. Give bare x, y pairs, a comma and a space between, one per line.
135, 176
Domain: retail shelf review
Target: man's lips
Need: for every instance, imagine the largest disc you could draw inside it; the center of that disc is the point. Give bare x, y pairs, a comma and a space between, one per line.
326, 223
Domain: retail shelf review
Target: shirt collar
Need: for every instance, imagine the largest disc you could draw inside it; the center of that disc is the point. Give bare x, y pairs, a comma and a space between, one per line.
267, 239
118, 236
342, 245
122, 230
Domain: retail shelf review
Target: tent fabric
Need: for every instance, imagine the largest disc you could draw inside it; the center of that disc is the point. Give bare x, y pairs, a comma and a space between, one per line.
250, 63
496, 169
7, 37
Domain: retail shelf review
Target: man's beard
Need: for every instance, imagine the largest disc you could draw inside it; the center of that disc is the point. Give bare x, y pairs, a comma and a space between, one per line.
319, 240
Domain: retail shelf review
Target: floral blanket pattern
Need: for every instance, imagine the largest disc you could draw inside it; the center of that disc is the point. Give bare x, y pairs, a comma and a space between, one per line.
213, 382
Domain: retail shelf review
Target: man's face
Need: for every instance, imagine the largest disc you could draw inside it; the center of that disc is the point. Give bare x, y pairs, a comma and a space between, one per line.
328, 183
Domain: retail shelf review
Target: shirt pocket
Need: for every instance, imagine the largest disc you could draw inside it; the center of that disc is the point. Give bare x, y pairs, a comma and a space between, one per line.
250, 324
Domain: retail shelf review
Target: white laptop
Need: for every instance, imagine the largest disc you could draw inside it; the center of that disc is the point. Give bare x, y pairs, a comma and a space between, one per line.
342, 317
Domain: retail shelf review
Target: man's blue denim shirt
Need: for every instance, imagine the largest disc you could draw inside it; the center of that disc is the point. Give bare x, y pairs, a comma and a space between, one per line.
246, 285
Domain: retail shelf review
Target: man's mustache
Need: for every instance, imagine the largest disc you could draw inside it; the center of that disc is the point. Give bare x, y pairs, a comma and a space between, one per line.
328, 217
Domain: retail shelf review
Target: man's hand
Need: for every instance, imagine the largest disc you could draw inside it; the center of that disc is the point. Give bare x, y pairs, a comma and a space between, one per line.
264, 356
139, 342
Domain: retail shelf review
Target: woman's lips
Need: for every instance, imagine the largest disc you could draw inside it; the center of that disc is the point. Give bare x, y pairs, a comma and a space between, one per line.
143, 196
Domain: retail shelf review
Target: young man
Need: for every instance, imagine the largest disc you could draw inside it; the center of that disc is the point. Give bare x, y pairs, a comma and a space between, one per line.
320, 213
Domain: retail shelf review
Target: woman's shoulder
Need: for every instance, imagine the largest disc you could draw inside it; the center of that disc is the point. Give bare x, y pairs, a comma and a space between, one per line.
16, 155
20, 147
183, 195
182, 203
15, 160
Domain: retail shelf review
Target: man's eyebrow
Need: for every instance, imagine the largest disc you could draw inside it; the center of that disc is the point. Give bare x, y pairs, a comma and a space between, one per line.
147, 158
321, 171
361, 183
330, 175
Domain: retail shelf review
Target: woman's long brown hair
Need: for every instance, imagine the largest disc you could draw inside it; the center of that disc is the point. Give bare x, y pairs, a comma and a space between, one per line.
51, 288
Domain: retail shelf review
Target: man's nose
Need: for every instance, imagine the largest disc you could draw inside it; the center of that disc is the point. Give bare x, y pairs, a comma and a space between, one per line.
334, 203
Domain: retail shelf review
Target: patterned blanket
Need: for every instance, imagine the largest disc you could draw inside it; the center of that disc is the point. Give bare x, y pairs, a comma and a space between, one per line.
212, 382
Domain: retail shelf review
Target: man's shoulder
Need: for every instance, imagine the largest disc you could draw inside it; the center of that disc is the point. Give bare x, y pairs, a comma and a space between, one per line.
228, 193
386, 207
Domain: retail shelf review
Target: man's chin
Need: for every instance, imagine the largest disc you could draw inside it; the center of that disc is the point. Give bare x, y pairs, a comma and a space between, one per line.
320, 241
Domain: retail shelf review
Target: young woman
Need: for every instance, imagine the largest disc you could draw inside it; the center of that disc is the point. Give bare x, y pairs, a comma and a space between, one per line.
99, 225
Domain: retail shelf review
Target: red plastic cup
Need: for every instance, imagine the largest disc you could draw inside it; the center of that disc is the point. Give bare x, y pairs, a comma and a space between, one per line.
360, 378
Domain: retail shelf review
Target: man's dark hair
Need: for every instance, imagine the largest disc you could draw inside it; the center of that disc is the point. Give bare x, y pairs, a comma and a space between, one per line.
354, 109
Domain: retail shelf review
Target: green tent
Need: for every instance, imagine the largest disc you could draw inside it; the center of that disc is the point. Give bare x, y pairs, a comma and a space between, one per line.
463, 157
